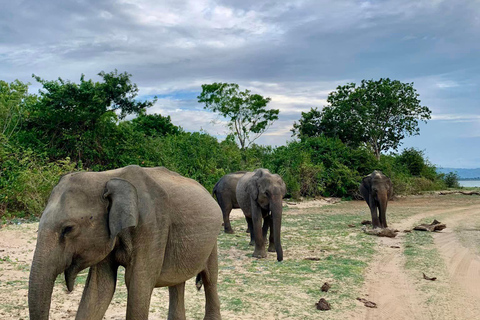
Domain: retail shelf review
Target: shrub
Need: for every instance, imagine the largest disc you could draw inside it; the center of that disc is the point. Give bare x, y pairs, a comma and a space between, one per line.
451, 180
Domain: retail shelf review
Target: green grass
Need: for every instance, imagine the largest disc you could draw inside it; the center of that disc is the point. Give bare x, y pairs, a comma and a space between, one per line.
291, 288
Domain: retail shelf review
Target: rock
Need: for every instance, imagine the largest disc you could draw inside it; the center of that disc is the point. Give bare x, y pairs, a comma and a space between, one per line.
386, 232
323, 305
312, 259
367, 303
326, 286
428, 278
434, 226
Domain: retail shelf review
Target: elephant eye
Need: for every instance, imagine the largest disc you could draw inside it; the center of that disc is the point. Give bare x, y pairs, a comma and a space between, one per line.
66, 230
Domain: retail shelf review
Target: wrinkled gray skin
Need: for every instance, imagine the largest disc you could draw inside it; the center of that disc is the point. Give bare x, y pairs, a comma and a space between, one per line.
225, 192
260, 195
160, 226
377, 189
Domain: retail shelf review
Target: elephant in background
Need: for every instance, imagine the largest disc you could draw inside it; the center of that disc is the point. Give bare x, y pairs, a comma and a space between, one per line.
160, 226
225, 192
377, 189
260, 195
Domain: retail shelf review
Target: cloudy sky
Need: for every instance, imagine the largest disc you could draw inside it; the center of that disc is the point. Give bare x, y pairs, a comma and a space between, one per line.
295, 52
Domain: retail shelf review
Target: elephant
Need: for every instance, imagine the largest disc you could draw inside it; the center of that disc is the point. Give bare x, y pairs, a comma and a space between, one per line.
160, 226
225, 192
377, 189
260, 195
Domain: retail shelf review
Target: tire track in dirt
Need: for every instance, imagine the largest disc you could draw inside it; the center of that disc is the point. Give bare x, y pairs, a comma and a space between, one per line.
463, 267
387, 283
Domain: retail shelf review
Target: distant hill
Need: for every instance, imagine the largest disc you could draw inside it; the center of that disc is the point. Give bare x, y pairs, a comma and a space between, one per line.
462, 173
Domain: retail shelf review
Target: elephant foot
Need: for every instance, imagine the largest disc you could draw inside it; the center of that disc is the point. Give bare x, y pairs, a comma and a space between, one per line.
260, 254
252, 243
229, 231
248, 230
271, 247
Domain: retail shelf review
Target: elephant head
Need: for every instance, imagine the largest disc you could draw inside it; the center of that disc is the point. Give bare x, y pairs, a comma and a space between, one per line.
377, 189
268, 190
78, 229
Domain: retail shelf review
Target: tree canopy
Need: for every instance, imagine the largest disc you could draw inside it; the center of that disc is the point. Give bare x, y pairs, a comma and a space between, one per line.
68, 118
248, 115
378, 114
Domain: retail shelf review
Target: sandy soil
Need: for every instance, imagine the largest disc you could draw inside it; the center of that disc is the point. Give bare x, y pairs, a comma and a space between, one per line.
387, 282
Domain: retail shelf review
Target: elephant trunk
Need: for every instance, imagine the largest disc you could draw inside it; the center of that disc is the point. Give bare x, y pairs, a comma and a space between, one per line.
382, 209
42, 279
276, 209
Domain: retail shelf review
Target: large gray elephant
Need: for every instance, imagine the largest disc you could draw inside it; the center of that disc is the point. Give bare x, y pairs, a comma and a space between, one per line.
260, 195
377, 189
225, 192
160, 226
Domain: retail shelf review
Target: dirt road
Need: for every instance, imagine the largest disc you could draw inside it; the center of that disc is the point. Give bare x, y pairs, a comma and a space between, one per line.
396, 290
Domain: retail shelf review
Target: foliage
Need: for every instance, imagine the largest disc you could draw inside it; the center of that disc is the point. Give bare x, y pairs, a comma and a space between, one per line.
309, 125
413, 160
378, 114
451, 180
13, 98
155, 125
68, 117
26, 180
247, 112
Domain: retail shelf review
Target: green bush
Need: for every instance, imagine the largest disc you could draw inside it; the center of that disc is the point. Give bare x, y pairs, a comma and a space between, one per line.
451, 180
26, 181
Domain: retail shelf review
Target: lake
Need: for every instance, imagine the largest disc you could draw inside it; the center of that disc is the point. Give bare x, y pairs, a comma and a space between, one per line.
469, 183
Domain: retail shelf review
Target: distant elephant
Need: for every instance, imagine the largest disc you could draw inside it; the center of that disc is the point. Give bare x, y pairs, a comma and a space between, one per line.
260, 195
160, 226
377, 189
225, 192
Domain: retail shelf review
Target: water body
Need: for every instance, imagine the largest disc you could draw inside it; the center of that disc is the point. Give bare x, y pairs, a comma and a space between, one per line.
469, 183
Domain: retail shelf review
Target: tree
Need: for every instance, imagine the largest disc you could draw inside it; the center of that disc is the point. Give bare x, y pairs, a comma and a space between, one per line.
309, 125
155, 125
13, 98
377, 114
249, 117
69, 119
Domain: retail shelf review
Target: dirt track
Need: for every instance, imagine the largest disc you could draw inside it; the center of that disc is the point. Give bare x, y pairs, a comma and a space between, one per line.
394, 289
400, 292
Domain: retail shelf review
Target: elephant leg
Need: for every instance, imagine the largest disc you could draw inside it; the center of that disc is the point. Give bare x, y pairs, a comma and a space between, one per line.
250, 227
271, 241
373, 212
267, 224
226, 207
98, 292
139, 287
226, 219
176, 307
209, 277
259, 251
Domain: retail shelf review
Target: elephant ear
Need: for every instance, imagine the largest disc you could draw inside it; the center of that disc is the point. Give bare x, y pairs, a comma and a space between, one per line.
123, 205
252, 186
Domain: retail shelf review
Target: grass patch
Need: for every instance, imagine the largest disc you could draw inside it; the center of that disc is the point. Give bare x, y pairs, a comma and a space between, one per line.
291, 288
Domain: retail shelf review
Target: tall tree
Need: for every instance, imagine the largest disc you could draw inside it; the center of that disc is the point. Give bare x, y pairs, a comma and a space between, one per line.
68, 118
378, 114
248, 115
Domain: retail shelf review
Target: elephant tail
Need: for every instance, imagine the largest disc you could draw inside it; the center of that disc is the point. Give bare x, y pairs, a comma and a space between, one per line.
199, 282
214, 191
